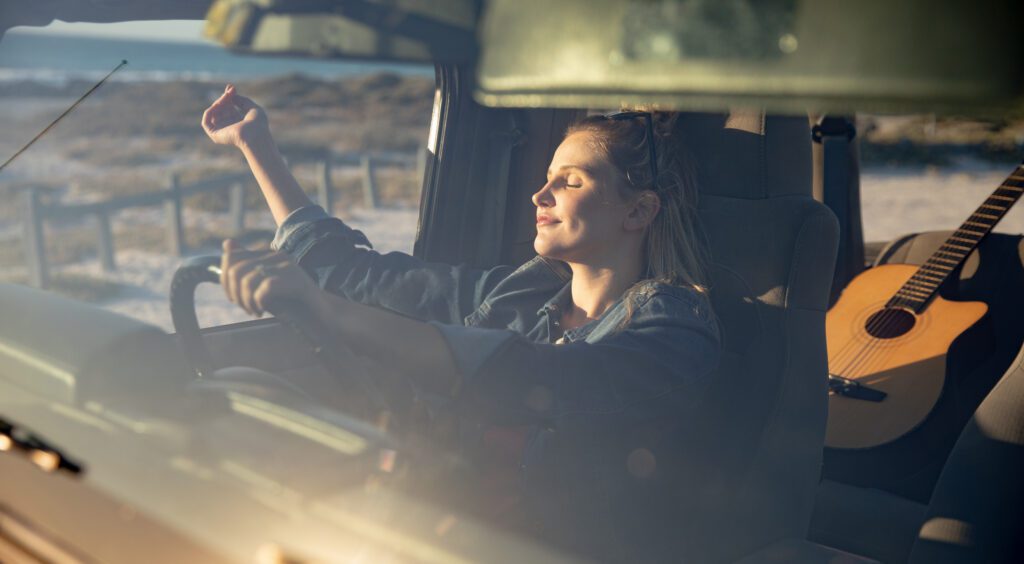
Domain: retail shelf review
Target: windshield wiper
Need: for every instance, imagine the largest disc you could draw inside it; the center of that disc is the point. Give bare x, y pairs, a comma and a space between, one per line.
17, 439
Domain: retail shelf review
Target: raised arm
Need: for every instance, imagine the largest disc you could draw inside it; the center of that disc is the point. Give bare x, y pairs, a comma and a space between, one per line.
236, 120
327, 248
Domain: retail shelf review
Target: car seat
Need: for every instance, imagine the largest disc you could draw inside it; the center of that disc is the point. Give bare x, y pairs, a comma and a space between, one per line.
753, 445
976, 512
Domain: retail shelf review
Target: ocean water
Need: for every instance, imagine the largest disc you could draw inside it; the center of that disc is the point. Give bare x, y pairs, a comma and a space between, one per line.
51, 58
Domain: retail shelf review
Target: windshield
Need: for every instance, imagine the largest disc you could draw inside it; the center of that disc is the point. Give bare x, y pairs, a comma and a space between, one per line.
352, 133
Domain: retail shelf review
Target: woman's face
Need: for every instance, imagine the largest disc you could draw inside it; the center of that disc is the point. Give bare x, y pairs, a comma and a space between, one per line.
580, 212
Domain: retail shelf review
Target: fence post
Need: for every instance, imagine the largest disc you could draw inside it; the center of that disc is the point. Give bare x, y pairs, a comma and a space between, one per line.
369, 182
35, 245
325, 192
236, 208
172, 211
105, 242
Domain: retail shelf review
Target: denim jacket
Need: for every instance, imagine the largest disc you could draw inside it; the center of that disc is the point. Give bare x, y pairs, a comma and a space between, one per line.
590, 402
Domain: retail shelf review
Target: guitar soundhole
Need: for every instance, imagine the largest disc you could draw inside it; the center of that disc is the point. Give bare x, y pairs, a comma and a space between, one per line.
890, 323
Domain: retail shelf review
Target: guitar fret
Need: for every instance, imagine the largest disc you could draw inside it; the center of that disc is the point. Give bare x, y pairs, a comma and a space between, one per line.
1003, 198
915, 293
920, 291
957, 246
918, 287
932, 270
985, 215
913, 299
955, 238
932, 277
907, 301
937, 267
978, 224
972, 232
1011, 187
993, 207
955, 256
944, 268
921, 283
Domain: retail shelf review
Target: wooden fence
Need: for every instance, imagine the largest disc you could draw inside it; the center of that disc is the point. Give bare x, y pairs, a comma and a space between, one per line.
36, 213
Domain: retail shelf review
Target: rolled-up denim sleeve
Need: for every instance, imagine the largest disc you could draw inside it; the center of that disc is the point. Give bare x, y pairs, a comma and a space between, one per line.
507, 379
340, 261
297, 230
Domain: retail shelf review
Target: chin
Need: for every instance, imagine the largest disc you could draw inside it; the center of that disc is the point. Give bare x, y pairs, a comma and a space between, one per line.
547, 250
542, 248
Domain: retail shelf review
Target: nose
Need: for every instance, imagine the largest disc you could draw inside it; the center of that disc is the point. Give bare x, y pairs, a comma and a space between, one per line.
543, 198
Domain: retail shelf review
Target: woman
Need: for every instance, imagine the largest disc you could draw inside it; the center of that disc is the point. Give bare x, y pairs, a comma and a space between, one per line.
597, 345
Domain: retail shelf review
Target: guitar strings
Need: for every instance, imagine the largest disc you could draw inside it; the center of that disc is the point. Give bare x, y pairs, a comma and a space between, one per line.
867, 351
866, 361
842, 357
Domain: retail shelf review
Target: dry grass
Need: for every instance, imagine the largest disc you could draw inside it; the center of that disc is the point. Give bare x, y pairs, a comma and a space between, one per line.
938, 140
132, 136
375, 112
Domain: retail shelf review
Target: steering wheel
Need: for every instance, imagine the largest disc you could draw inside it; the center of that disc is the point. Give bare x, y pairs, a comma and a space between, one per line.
333, 354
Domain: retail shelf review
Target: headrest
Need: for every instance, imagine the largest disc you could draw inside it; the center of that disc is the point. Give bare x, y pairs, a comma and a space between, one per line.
747, 154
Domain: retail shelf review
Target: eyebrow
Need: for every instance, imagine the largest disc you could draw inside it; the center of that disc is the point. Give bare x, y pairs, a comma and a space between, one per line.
585, 170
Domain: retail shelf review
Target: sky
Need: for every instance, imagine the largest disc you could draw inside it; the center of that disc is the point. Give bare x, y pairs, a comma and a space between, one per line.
169, 30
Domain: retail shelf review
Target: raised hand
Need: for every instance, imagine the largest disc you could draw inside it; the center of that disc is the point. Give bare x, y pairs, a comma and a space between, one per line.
235, 120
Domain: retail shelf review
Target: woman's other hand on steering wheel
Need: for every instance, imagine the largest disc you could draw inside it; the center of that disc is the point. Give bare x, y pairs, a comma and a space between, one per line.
235, 120
252, 279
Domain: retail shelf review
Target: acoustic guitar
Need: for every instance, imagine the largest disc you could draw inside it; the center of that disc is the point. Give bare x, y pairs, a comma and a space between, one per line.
889, 332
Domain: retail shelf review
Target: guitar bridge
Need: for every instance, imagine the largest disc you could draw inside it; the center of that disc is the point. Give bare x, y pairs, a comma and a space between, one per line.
854, 389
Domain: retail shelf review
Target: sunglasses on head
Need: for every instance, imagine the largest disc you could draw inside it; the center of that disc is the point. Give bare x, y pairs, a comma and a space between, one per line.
620, 116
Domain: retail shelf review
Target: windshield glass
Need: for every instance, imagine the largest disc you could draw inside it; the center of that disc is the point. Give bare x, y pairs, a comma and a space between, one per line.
97, 188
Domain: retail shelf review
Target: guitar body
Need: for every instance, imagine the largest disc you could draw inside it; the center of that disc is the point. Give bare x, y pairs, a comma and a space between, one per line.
906, 359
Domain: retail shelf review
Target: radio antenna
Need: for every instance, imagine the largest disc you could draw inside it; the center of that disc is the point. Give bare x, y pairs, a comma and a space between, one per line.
66, 112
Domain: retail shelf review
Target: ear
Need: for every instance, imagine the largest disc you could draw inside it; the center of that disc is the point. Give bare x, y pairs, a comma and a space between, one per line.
644, 209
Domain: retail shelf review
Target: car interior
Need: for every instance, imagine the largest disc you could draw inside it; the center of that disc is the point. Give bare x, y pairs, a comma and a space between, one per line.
779, 206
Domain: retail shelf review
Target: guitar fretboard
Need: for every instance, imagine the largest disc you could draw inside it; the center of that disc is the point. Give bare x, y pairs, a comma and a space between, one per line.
917, 291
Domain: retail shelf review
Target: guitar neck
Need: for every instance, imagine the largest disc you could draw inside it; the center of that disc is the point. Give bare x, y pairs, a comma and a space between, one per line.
916, 292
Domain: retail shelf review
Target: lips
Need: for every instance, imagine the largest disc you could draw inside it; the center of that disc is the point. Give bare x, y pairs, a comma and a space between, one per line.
545, 220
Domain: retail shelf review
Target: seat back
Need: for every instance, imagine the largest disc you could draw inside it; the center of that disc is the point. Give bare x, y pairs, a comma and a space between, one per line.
976, 513
757, 437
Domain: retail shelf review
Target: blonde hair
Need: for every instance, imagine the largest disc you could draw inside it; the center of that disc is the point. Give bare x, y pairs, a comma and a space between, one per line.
673, 253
